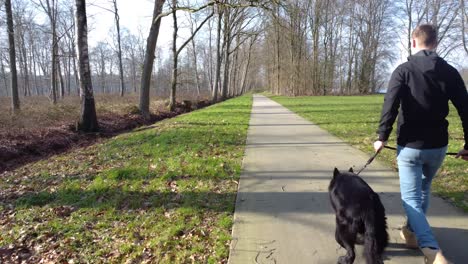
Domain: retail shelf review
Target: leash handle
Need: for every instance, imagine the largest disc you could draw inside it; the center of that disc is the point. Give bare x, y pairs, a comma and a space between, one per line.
448, 153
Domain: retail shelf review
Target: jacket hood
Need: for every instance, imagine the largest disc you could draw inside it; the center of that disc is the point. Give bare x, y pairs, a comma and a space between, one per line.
426, 61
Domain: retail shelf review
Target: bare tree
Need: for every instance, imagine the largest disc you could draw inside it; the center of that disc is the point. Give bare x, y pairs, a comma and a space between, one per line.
119, 48
51, 9
218, 53
88, 119
195, 57
130, 45
277, 22
149, 59
4, 75
415, 12
253, 39
69, 28
22, 18
15, 103
176, 51
101, 56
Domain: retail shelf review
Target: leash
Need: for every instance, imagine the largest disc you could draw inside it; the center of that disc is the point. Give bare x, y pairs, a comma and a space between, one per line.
369, 162
393, 148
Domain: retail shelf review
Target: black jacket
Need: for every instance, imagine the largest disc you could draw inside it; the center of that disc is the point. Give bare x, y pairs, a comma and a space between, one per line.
421, 88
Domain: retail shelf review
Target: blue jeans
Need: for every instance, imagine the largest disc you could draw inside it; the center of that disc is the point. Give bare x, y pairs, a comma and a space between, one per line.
417, 168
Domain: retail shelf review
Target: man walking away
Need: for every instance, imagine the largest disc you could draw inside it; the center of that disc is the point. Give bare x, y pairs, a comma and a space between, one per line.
418, 93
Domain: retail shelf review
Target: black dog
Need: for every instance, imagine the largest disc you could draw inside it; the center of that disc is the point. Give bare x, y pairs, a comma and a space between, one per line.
358, 210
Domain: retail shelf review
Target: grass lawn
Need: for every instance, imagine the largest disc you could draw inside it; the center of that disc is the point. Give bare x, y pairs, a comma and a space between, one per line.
164, 194
355, 120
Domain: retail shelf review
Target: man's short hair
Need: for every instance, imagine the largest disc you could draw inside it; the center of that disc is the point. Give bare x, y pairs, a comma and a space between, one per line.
426, 34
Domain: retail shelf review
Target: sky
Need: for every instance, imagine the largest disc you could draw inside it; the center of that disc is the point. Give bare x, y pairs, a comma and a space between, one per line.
134, 15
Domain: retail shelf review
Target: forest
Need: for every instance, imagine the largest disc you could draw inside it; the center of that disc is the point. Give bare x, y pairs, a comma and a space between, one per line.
291, 47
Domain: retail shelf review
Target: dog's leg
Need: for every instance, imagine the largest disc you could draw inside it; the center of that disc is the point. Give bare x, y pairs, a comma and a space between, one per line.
346, 237
338, 237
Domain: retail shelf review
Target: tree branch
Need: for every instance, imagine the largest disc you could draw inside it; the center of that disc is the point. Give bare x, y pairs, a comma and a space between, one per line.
194, 33
103, 8
263, 4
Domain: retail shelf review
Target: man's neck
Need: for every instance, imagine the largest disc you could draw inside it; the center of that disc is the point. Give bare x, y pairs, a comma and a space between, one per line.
418, 49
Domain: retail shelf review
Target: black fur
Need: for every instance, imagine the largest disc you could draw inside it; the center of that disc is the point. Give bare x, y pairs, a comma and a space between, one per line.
358, 210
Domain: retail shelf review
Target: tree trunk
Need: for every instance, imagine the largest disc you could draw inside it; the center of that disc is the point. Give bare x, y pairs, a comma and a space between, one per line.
20, 58
33, 57
27, 88
119, 52
409, 10
246, 71
134, 75
234, 72
88, 119
15, 103
111, 77
5, 79
210, 60
278, 65
195, 64
103, 73
227, 45
175, 59
68, 74
60, 77
315, 51
218, 57
75, 72
149, 59
53, 78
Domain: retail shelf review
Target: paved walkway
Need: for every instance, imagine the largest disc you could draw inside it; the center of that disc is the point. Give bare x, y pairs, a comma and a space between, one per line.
283, 214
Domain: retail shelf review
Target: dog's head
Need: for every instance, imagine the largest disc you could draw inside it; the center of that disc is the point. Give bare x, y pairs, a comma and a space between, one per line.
336, 172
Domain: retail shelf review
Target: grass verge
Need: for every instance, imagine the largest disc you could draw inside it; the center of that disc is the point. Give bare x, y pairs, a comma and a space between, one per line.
164, 194
355, 119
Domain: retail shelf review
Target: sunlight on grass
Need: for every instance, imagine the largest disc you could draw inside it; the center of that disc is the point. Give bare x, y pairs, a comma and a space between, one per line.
164, 194
355, 119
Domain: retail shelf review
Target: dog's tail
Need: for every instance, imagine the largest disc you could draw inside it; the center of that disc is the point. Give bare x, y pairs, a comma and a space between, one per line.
375, 235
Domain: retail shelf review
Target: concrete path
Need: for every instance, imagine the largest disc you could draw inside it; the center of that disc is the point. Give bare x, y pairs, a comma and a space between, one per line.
283, 214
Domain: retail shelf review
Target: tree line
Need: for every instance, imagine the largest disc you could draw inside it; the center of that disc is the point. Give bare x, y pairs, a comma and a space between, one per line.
347, 47
295, 47
48, 55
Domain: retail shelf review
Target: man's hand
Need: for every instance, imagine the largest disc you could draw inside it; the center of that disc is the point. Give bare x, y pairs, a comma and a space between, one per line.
379, 145
463, 154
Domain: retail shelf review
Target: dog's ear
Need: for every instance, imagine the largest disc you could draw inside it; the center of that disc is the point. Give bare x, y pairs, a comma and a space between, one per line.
351, 170
336, 172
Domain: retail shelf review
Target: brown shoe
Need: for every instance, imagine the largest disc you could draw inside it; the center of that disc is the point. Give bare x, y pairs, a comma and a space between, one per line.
434, 256
408, 237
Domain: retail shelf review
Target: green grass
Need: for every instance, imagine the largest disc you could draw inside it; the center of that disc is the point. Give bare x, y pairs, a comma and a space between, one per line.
355, 120
164, 194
